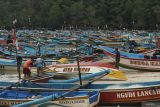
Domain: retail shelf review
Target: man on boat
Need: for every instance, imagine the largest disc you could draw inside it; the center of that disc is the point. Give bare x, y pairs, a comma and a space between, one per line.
117, 58
38, 48
40, 64
27, 66
131, 49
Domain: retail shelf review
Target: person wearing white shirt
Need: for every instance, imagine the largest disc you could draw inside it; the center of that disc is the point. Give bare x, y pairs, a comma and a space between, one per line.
40, 64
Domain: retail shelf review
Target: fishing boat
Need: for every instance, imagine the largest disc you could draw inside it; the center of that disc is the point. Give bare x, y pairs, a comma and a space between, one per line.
85, 67
30, 98
136, 92
8, 64
137, 95
87, 77
30, 83
71, 70
134, 61
128, 93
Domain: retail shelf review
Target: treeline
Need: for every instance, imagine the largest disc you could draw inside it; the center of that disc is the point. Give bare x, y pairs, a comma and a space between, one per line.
55, 14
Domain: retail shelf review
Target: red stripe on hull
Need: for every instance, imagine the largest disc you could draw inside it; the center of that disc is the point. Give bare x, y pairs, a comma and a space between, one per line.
99, 64
130, 96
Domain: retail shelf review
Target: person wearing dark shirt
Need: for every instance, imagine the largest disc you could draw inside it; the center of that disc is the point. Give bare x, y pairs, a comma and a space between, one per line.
117, 58
38, 48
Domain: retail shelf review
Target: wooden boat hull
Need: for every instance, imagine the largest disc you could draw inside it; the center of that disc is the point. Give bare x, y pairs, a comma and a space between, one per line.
8, 64
109, 93
74, 69
136, 63
77, 99
130, 95
85, 67
70, 102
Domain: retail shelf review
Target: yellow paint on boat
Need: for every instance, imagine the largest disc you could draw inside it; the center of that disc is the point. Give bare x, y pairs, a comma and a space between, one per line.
116, 74
63, 60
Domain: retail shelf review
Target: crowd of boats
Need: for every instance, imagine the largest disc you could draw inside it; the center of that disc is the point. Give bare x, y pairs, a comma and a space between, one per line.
74, 61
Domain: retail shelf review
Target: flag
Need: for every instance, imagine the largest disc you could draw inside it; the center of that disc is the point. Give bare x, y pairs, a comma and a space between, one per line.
14, 21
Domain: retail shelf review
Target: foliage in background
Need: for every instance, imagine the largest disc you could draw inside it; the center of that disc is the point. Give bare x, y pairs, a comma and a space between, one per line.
55, 14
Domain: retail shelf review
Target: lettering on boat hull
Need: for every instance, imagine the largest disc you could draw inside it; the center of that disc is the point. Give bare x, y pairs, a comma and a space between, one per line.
76, 69
136, 94
145, 63
132, 95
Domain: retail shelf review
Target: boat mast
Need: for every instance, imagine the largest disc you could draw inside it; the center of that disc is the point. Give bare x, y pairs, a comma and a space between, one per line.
14, 34
79, 70
18, 58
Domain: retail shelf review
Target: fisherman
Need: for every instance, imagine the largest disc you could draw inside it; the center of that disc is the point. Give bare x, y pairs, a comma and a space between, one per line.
117, 58
90, 49
27, 66
39, 48
40, 64
19, 63
131, 49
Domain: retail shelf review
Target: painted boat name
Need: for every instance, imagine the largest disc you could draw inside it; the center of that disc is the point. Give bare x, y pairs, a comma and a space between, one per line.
10, 103
76, 69
72, 101
138, 93
145, 63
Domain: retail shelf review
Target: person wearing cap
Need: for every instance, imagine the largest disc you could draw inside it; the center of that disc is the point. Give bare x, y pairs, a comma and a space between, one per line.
40, 64
27, 66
